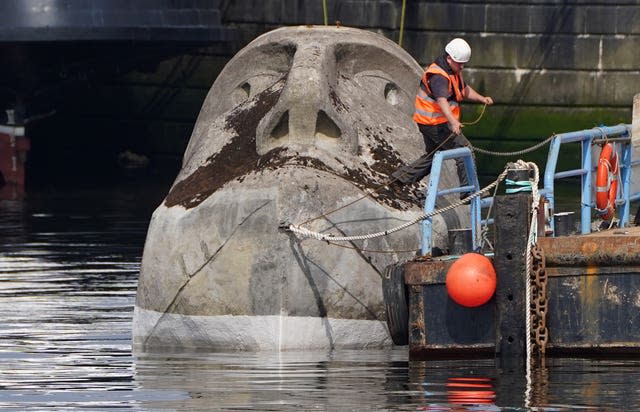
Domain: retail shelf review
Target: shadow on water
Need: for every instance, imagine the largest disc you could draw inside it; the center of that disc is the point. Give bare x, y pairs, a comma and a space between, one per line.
69, 262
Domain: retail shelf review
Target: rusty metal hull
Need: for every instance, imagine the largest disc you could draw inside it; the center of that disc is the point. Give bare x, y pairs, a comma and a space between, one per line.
594, 292
593, 301
439, 327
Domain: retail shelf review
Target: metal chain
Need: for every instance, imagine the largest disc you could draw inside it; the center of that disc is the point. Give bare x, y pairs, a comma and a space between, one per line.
518, 153
538, 309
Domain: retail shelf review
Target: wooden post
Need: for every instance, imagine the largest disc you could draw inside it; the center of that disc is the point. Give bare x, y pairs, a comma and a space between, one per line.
512, 219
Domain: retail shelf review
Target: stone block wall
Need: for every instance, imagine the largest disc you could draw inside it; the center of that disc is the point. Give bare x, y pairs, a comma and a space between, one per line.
552, 66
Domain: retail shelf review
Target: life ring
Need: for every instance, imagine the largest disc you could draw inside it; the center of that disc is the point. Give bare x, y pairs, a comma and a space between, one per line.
607, 181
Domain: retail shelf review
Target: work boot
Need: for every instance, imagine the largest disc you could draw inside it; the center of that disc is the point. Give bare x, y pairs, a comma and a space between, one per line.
396, 186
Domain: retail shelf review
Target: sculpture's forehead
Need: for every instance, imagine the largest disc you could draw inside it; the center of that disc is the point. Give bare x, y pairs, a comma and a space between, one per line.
325, 37
334, 50
322, 35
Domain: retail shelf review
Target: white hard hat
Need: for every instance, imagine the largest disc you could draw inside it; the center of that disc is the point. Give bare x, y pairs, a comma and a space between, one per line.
459, 50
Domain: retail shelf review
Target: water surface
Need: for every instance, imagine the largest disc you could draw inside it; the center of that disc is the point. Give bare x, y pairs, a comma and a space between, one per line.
69, 262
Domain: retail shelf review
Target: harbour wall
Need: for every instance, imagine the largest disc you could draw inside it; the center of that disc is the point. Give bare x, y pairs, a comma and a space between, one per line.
551, 66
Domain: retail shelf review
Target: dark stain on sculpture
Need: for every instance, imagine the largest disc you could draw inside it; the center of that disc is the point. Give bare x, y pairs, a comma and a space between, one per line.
235, 159
239, 158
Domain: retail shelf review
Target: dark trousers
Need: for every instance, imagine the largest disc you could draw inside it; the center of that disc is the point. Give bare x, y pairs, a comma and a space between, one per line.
433, 138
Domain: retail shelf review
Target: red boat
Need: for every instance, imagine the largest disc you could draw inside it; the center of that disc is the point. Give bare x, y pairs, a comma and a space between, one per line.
14, 146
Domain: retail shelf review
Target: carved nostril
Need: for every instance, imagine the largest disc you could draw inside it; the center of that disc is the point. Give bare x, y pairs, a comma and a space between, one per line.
281, 129
325, 127
303, 128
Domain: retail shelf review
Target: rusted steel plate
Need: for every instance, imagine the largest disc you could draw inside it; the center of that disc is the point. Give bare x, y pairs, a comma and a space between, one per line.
422, 272
593, 301
592, 310
617, 348
618, 248
417, 330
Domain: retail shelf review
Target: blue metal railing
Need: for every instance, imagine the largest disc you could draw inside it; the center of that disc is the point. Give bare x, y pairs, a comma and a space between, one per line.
586, 138
433, 193
621, 133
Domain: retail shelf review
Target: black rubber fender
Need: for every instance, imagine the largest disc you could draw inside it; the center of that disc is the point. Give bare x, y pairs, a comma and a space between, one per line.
396, 303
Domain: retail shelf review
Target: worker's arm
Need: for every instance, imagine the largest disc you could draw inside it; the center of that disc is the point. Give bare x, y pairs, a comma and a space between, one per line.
454, 124
470, 94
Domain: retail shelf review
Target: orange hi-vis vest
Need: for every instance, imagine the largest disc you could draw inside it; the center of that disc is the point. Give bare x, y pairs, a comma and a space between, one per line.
428, 111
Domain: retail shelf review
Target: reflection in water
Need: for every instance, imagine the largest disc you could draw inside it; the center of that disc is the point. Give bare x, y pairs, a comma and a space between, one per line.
69, 263
470, 390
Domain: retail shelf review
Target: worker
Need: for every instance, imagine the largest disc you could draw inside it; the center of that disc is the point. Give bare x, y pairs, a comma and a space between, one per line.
437, 111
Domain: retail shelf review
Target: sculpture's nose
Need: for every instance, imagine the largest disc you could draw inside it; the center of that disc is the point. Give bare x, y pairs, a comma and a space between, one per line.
305, 114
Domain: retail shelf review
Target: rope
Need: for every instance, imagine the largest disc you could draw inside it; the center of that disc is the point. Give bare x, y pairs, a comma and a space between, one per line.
533, 229
402, 14
519, 186
375, 190
390, 181
485, 228
517, 153
300, 231
484, 107
324, 11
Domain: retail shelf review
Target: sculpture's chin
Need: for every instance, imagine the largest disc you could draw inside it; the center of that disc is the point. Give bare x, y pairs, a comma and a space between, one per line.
231, 255
254, 333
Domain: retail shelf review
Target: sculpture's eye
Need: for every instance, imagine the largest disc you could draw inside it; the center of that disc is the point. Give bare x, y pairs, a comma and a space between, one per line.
241, 93
252, 86
250, 72
383, 77
378, 84
391, 94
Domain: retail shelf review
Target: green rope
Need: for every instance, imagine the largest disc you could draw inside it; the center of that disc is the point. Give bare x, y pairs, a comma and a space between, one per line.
404, 7
520, 186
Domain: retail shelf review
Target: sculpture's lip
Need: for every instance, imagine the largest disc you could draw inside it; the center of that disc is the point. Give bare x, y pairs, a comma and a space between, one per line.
209, 178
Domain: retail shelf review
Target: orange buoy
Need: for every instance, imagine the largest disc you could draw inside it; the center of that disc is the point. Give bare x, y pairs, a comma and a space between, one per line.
471, 280
607, 181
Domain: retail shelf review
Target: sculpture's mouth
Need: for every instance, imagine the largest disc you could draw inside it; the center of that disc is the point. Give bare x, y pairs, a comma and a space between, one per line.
237, 160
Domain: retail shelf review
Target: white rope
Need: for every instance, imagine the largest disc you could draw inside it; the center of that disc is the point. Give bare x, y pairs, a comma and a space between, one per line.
303, 232
533, 229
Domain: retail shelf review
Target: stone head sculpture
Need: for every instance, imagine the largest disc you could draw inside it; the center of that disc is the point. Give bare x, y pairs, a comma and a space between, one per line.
302, 122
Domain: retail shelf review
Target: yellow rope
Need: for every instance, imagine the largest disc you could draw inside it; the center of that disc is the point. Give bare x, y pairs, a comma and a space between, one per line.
484, 107
324, 10
402, 14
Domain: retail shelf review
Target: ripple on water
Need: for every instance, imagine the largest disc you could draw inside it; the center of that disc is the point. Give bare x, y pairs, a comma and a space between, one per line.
67, 290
